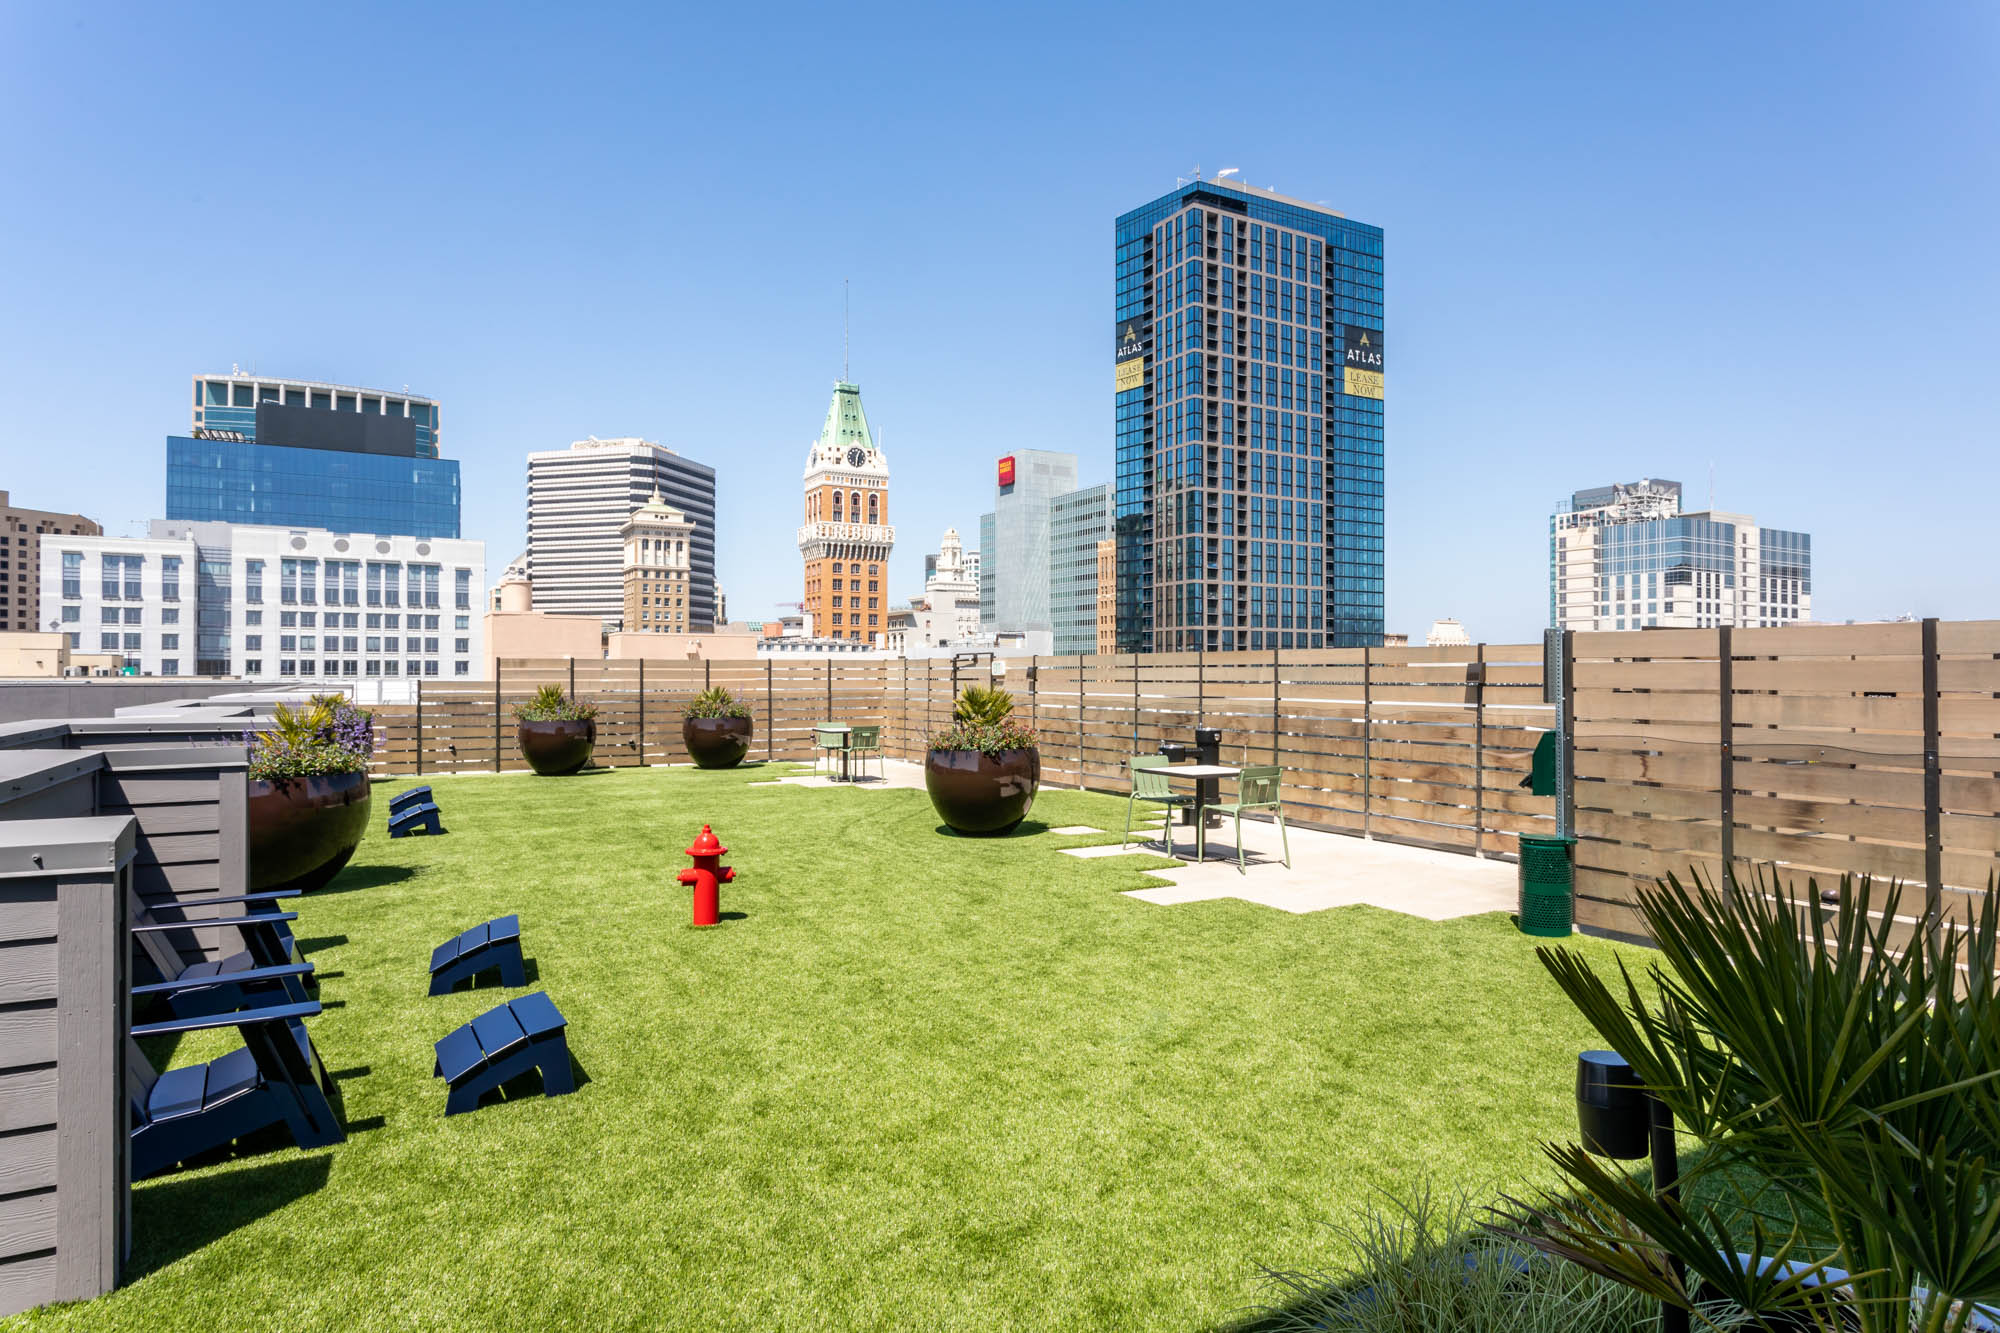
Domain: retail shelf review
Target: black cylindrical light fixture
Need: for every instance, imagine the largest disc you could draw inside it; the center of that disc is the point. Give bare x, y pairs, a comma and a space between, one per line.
1611, 1106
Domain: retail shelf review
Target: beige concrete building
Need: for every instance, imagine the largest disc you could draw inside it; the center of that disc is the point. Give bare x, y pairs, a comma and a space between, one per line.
657, 541
21, 532
29, 656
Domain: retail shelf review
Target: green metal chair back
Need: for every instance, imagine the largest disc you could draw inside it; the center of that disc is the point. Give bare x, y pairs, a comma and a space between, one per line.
829, 737
1148, 785
864, 738
1258, 785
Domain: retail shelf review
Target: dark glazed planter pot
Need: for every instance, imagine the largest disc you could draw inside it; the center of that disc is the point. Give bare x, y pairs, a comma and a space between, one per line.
303, 830
716, 742
985, 795
555, 748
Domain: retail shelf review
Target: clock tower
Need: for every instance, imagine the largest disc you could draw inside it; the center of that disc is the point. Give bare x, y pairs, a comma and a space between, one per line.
846, 537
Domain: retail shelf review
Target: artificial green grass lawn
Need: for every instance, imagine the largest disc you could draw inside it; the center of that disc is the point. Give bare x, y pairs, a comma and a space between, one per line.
920, 1081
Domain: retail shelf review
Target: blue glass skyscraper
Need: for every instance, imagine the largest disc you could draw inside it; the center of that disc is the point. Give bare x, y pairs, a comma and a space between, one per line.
298, 453
1249, 392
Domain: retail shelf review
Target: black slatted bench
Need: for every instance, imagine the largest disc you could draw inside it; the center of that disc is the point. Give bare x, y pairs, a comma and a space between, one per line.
414, 811
503, 1043
466, 955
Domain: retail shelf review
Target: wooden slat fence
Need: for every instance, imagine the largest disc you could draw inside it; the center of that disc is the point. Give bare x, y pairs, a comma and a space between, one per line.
1817, 750
1425, 745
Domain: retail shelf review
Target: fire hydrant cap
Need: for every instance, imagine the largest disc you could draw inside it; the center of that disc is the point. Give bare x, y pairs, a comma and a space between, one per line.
707, 845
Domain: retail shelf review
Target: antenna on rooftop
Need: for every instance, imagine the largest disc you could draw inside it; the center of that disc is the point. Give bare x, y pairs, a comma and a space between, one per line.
843, 330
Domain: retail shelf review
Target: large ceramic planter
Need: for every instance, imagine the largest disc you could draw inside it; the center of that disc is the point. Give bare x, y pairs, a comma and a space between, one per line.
716, 742
985, 795
303, 830
555, 748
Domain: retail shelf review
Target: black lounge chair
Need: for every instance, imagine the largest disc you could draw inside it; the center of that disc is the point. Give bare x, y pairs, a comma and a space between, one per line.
466, 955
503, 1043
414, 811
218, 985
275, 1077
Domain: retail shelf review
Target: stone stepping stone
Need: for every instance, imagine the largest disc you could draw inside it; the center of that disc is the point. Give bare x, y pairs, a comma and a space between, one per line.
1112, 849
1075, 829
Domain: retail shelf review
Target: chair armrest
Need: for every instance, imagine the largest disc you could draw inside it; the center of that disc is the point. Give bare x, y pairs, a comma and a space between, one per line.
255, 919
266, 896
226, 978
277, 1013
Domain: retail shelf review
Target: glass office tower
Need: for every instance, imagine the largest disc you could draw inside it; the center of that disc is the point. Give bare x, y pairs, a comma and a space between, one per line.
1248, 408
228, 404
231, 481
1077, 522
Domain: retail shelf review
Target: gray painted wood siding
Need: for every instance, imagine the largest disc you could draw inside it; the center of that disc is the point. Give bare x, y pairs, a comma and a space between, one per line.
190, 806
65, 985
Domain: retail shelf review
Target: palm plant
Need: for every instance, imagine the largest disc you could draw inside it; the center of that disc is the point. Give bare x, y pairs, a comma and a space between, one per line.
1844, 1056
322, 736
551, 704
979, 705
715, 702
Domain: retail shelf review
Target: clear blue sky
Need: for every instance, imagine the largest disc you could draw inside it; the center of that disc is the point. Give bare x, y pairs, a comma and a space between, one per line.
1621, 241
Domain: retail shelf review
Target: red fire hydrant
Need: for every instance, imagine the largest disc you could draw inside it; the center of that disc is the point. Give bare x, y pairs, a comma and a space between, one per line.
708, 875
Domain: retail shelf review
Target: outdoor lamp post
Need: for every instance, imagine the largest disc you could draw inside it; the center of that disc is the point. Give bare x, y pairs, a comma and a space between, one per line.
1618, 1118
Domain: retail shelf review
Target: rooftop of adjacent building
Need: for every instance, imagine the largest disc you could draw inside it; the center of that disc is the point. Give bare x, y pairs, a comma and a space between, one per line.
621, 444
23, 512
238, 376
1238, 196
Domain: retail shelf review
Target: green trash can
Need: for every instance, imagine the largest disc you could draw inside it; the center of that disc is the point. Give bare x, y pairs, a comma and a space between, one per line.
1548, 885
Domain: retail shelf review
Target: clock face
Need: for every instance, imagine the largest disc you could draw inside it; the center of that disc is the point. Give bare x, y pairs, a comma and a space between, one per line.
855, 457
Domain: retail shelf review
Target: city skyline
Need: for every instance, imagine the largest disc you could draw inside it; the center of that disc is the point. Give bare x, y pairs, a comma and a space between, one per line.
1617, 273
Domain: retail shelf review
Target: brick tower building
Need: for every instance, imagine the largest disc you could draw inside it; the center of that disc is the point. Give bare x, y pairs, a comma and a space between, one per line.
846, 537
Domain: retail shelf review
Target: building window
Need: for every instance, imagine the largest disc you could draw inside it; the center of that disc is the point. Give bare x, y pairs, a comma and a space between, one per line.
107, 643
463, 597
170, 667
170, 643
461, 668
72, 574
253, 581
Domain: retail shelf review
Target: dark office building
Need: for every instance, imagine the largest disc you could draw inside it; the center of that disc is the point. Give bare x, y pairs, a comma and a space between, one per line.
1249, 423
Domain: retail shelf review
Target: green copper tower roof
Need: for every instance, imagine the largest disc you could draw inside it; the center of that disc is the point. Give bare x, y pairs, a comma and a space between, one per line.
846, 423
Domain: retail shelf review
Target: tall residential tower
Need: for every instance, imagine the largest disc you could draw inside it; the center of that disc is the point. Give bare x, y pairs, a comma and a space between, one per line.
1248, 351
579, 499
846, 537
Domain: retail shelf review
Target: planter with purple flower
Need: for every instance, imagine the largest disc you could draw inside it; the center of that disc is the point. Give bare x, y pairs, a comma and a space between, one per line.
308, 792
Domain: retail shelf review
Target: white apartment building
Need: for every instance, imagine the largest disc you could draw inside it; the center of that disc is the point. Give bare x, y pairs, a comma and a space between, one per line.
579, 499
1626, 557
948, 612
270, 603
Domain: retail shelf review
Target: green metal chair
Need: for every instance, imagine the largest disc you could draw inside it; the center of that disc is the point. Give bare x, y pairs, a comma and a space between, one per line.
864, 741
1256, 789
828, 739
1155, 788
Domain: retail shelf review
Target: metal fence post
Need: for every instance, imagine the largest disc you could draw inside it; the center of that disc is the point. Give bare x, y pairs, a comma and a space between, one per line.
1367, 742
1566, 735
1933, 783
497, 669
1274, 705
572, 678
1479, 751
642, 712
1725, 693
770, 714
420, 726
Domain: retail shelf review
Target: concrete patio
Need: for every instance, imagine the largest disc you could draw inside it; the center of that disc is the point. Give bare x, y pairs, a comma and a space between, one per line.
1327, 870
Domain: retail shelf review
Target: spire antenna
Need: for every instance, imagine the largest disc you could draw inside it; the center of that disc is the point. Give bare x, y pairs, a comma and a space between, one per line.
843, 331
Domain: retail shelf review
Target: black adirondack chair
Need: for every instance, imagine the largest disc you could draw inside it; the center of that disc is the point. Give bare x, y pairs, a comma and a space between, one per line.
218, 985
275, 1077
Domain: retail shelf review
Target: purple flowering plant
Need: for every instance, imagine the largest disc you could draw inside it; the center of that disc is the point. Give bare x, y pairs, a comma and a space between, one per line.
325, 735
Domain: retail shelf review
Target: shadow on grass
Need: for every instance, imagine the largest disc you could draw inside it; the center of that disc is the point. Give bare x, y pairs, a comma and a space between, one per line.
528, 1086
316, 942
175, 1217
1027, 828
355, 878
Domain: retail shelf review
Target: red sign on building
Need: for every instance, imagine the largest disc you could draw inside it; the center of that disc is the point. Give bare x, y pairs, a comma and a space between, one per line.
1007, 470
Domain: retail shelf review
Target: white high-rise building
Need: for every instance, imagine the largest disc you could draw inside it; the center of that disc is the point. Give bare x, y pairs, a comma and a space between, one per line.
270, 603
948, 612
1625, 557
579, 499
